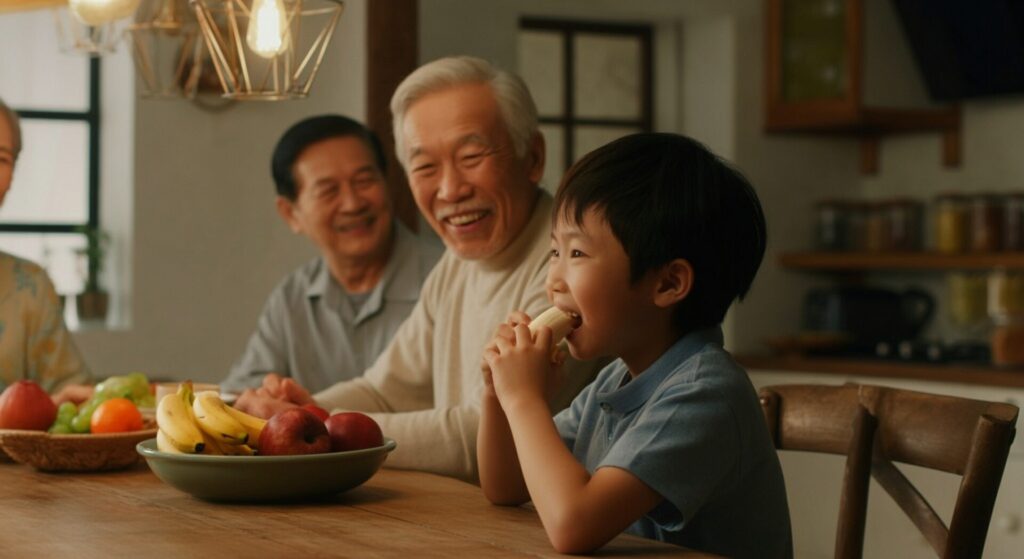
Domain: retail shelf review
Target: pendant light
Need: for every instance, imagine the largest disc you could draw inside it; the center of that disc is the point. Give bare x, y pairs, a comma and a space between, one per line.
167, 49
267, 49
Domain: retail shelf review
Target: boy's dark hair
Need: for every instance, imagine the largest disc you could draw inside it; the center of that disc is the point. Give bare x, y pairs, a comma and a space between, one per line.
666, 196
310, 131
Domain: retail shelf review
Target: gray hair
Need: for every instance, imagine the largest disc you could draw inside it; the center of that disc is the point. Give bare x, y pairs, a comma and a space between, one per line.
12, 118
518, 111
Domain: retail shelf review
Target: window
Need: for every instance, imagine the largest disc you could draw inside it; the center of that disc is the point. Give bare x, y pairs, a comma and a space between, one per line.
564, 62
56, 178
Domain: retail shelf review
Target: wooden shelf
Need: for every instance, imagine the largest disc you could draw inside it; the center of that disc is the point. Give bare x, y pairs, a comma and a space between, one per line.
959, 373
865, 261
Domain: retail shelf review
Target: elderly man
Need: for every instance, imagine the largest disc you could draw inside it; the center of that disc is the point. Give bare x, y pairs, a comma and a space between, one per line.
330, 319
467, 136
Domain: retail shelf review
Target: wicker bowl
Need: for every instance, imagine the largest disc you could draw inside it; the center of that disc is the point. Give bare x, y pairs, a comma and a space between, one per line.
74, 453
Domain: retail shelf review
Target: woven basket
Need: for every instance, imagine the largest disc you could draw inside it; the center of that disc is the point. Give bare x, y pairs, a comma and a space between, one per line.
74, 453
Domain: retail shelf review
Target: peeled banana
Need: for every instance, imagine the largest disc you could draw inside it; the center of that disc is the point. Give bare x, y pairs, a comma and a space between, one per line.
560, 322
175, 420
213, 418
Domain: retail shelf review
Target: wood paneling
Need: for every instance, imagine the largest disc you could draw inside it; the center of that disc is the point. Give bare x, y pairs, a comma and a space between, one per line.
392, 51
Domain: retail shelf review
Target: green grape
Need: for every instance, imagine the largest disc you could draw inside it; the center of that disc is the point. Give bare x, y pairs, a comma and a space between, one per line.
66, 412
80, 423
134, 386
61, 429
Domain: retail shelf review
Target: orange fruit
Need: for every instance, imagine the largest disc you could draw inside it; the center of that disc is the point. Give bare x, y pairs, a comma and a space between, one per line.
116, 415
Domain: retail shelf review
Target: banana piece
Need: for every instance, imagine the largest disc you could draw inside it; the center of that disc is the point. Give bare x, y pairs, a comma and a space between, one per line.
164, 444
213, 418
174, 418
560, 322
253, 425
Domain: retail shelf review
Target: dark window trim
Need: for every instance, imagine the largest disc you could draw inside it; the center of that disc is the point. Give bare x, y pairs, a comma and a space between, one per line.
91, 117
568, 29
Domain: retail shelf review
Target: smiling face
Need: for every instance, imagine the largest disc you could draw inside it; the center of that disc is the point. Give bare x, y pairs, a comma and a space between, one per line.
342, 203
588, 274
6, 157
464, 173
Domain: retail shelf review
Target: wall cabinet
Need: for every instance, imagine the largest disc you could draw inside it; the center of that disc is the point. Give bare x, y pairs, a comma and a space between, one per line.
820, 80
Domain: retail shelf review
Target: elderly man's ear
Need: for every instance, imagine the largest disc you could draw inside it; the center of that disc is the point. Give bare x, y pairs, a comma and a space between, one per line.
535, 158
286, 209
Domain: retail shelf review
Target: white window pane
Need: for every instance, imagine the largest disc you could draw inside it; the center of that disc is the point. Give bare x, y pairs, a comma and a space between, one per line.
611, 66
51, 175
589, 138
542, 67
54, 251
33, 73
554, 157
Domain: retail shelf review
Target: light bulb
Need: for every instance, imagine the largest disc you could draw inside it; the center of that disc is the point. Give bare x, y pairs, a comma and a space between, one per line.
98, 12
268, 29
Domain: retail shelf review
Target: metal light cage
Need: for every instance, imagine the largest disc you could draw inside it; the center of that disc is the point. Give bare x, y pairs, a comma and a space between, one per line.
288, 75
167, 49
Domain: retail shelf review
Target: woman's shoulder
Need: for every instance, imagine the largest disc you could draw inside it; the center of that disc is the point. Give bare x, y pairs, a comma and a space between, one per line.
18, 274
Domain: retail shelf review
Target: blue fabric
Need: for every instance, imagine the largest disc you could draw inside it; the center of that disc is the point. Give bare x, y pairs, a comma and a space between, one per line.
691, 428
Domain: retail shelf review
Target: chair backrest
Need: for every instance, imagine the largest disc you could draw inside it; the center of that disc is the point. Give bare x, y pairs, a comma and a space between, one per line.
875, 426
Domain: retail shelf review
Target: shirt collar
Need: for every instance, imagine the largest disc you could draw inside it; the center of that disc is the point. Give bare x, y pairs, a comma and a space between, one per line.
623, 399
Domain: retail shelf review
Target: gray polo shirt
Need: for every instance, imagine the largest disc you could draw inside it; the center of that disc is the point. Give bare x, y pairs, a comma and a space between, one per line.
691, 428
311, 331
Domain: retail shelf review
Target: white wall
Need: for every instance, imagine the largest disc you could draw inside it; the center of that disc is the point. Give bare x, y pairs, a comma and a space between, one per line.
208, 245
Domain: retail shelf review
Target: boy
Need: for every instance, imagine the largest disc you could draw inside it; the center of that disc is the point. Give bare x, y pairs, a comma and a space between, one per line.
653, 239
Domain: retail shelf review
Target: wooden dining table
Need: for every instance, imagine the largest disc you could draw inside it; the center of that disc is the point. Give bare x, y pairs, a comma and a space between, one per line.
131, 513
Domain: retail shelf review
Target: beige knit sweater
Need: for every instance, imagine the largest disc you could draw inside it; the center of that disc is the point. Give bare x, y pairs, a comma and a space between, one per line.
424, 389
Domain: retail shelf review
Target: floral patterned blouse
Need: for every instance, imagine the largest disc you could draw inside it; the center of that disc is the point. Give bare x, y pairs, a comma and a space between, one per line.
34, 343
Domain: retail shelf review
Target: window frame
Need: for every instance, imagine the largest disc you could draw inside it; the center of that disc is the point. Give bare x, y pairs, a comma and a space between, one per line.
91, 117
568, 29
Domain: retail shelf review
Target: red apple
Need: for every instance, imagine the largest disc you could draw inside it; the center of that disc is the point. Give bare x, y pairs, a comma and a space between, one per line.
24, 405
317, 411
294, 431
353, 431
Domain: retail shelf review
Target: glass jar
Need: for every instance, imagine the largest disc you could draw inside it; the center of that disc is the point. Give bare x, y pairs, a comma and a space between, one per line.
904, 224
1008, 343
1006, 294
856, 226
830, 230
951, 220
966, 298
876, 226
986, 223
1013, 221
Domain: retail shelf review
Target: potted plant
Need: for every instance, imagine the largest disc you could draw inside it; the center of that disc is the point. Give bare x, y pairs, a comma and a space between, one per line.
92, 302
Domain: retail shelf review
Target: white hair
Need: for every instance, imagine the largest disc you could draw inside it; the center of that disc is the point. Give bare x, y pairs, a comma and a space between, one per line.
518, 111
12, 118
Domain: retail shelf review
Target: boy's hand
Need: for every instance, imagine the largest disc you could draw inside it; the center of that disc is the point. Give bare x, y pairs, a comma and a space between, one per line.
520, 365
505, 331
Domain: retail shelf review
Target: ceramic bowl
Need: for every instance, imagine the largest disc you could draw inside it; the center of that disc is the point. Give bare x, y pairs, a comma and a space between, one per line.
265, 478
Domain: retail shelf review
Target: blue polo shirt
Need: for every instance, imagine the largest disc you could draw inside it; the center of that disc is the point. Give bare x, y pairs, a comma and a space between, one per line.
692, 429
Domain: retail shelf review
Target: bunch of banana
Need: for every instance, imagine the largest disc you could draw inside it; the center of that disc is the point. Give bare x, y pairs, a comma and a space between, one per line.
203, 423
178, 431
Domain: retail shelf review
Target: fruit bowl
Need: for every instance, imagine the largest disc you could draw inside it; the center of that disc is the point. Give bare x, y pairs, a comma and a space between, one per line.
73, 453
264, 478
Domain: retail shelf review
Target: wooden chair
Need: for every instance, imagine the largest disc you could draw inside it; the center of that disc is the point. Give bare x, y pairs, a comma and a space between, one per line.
875, 426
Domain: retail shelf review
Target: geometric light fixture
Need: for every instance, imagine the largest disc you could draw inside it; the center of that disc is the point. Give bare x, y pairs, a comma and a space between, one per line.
267, 49
167, 49
92, 26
